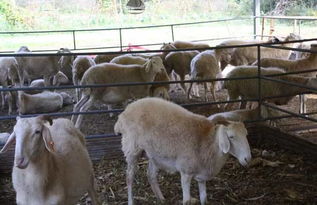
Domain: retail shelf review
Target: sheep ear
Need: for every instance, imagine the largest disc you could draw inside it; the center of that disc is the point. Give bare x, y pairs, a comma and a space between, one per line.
224, 143
9, 142
47, 138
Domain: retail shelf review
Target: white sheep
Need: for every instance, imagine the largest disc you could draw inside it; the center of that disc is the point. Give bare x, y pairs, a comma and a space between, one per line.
115, 73
42, 102
175, 139
51, 163
79, 67
248, 55
35, 67
248, 88
204, 66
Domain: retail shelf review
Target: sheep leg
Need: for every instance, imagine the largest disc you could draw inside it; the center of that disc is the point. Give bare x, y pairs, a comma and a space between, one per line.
213, 92
92, 192
152, 177
182, 83
206, 89
243, 104
84, 108
110, 108
202, 192
302, 104
78, 105
188, 91
75, 82
131, 159
196, 90
2, 99
185, 180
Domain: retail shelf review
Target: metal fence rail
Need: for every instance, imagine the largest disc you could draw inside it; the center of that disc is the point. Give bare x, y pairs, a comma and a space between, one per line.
75, 32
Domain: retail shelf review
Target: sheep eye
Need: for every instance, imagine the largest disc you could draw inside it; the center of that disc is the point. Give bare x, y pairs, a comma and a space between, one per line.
38, 132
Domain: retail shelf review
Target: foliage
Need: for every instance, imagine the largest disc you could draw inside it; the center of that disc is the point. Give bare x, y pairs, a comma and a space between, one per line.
74, 14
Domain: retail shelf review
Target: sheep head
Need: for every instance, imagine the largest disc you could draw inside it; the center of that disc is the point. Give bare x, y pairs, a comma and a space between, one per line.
32, 137
233, 140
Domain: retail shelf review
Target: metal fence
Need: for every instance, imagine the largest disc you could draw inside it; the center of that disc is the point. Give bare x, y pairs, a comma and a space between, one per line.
260, 78
119, 44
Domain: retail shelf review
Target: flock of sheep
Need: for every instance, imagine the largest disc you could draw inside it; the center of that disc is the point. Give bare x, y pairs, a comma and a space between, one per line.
52, 165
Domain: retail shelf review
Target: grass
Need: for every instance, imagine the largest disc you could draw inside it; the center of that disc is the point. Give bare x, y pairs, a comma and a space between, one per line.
91, 39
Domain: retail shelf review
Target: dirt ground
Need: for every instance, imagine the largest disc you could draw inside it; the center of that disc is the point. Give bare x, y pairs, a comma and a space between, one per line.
275, 175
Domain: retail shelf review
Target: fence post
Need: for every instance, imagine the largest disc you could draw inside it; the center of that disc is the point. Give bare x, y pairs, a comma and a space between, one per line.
74, 39
256, 13
172, 29
259, 81
120, 34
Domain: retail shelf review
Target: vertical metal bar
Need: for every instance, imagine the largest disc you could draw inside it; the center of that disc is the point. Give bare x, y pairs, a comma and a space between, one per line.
120, 34
172, 29
256, 13
74, 39
295, 26
299, 23
259, 82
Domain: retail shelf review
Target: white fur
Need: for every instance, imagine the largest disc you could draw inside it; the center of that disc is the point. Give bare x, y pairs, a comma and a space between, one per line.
51, 164
175, 139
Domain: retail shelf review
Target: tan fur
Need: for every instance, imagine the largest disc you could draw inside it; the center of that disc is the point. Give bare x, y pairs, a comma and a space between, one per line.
307, 63
248, 55
249, 88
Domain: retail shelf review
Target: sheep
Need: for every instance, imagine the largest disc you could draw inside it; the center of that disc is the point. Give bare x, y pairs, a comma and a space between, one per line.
80, 66
308, 63
66, 62
249, 88
42, 102
246, 114
38, 66
189, 44
175, 139
51, 163
247, 55
179, 62
115, 73
293, 65
14, 72
204, 66
104, 58
9, 71
128, 59
155, 90
225, 61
